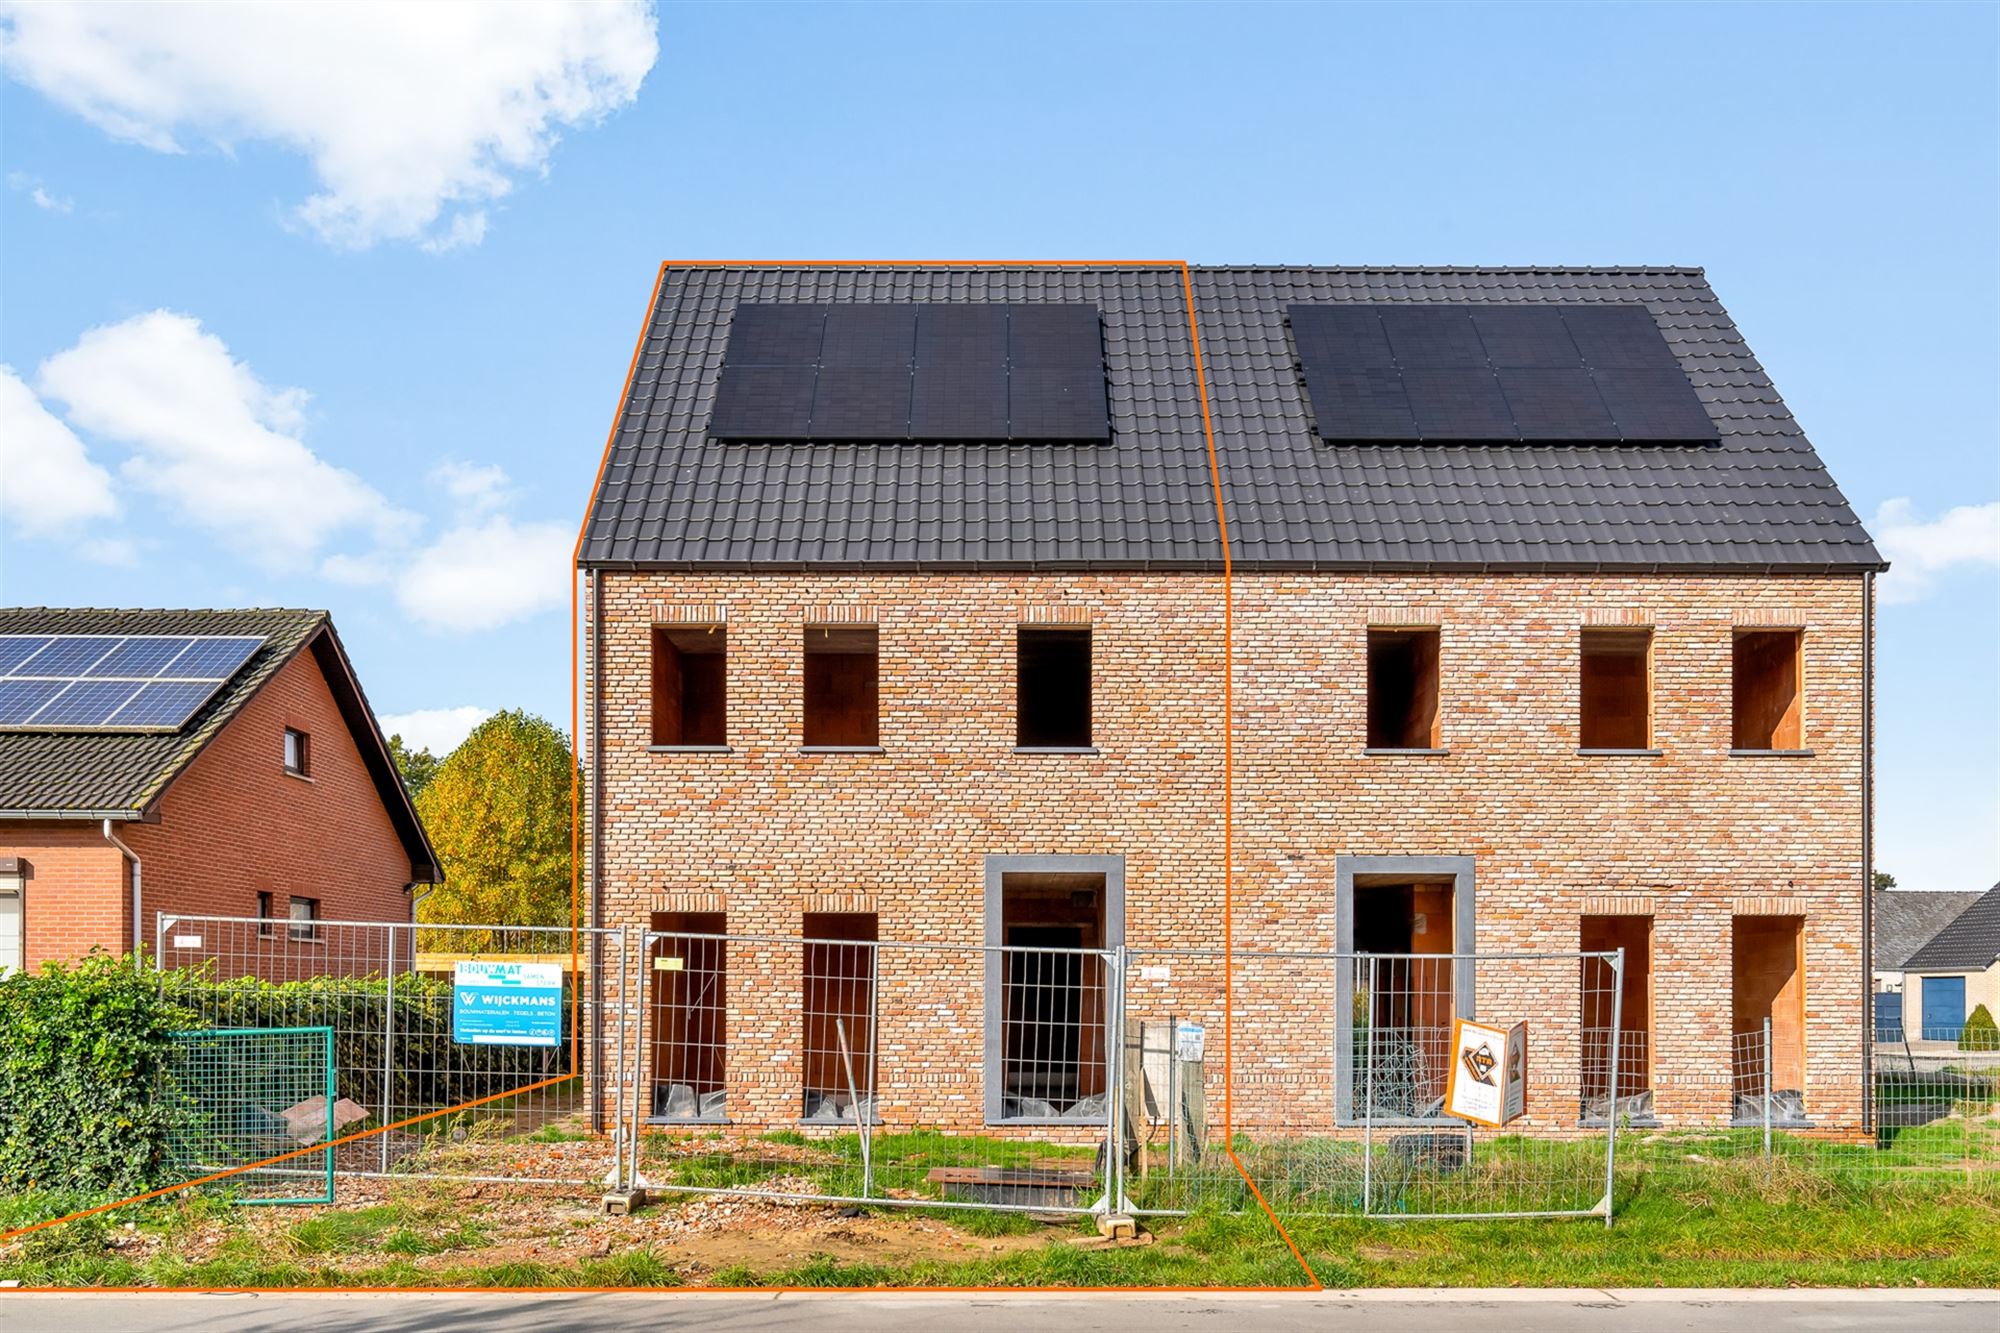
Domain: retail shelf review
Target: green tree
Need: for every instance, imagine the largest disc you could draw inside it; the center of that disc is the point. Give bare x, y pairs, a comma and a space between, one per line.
498, 812
1980, 1032
418, 767
1884, 880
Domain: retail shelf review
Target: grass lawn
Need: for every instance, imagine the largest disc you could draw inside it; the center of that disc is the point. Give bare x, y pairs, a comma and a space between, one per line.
1802, 1220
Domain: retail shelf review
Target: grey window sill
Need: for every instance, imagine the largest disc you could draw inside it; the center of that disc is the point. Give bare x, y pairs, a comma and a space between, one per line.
690, 749
1625, 1122
1055, 749
1372, 752
1770, 754
841, 749
1630, 754
294, 773
675, 1122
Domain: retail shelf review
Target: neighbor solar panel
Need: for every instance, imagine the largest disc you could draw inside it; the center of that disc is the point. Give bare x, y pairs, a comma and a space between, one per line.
1494, 374
913, 372
110, 682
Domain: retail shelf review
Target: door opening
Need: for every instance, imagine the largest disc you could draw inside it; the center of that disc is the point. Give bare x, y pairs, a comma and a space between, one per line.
1605, 934
1052, 1045
1402, 1029
1767, 967
689, 1001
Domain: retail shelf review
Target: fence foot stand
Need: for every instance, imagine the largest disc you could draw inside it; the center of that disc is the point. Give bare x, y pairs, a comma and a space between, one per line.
1117, 1226
622, 1203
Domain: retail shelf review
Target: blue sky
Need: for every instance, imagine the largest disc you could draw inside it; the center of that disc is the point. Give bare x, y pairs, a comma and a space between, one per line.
382, 271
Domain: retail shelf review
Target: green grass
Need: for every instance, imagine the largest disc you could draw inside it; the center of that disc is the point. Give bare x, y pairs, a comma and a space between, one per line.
1693, 1209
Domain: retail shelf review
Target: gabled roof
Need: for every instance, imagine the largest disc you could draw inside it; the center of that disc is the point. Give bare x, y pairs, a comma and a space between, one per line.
1970, 942
670, 498
122, 775
1906, 919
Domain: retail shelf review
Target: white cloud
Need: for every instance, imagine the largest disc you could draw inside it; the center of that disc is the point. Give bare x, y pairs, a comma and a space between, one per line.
486, 571
39, 194
439, 730
209, 437
479, 488
1919, 551
48, 485
415, 116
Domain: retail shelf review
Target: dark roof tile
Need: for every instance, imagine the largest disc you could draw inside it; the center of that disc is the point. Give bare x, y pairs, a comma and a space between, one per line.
670, 498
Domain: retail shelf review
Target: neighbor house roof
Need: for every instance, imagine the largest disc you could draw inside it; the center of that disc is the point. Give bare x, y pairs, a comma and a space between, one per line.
122, 775
671, 498
1905, 920
1969, 942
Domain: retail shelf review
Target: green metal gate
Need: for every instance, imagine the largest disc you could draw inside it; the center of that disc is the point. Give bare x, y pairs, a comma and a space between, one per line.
252, 1094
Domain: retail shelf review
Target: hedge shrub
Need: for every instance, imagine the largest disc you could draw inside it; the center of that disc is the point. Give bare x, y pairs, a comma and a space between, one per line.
84, 1052
428, 1071
1980, 1032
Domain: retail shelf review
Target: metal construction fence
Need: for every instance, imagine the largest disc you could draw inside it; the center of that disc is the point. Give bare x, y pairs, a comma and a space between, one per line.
228, 1081
439, 1106
838, 1067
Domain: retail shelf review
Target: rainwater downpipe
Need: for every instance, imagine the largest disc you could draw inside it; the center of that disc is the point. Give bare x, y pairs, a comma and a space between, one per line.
138, 921
1868, 1108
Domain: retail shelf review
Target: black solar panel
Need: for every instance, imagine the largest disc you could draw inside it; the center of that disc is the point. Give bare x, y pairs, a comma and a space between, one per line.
1495, 374
108, 682
1454, 403
861, 403
1653, 405
913, 372
1550, 405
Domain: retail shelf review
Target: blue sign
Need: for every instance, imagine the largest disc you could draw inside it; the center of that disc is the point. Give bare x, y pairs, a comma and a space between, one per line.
506, 1004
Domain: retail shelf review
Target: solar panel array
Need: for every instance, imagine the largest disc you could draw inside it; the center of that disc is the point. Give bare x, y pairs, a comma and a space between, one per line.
882, 373
113, 682
1541, 374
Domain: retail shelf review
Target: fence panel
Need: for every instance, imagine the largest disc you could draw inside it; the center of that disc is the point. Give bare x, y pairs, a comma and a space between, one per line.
852, 1069
1338, 1071
249, 1095
445, 1105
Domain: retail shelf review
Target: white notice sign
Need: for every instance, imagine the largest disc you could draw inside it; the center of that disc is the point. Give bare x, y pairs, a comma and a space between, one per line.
1489, 1073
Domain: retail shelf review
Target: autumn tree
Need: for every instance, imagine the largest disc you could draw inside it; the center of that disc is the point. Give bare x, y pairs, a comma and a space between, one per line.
498, 812
417, 767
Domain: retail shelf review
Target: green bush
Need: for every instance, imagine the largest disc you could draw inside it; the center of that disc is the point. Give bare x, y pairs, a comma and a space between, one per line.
1980, 1032
426, 1069
84, 1051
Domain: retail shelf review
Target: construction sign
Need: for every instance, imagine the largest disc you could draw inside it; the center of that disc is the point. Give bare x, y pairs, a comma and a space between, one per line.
1489, 1073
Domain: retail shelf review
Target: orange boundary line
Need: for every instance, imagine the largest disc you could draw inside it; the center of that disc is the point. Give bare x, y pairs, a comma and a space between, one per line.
1229, 794
1228, 835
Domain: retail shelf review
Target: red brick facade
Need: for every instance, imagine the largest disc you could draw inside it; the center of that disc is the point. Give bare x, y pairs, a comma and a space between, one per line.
1690, 837
234, 823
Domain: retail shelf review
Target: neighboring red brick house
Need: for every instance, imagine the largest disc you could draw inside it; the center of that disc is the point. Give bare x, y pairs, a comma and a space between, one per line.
219, 763
906, 622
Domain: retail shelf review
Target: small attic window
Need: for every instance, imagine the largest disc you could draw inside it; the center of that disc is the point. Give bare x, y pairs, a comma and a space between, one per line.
1052, 688
1403, 689
298, 752
1615, 702
1768, 690
841, 687
690, 686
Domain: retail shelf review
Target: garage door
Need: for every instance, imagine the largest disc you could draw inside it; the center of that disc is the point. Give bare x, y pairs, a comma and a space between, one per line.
1944, 1008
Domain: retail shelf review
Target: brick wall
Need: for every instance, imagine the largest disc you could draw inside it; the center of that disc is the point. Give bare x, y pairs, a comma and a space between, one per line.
1690, 837
234, 823
77, 894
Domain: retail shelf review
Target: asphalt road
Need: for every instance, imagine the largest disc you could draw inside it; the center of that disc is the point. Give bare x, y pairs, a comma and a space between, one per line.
1403, 1312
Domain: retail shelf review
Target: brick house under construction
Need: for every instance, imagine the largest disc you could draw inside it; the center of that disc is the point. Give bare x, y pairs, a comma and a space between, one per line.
1547, 631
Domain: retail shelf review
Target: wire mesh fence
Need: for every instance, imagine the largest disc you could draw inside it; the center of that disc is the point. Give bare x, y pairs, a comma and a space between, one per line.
439, 1099
841, 1067
250, 1095
834, 1066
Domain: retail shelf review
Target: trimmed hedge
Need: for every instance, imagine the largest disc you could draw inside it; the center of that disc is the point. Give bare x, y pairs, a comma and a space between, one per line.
428, 1071
84, 1051
1980, 1032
